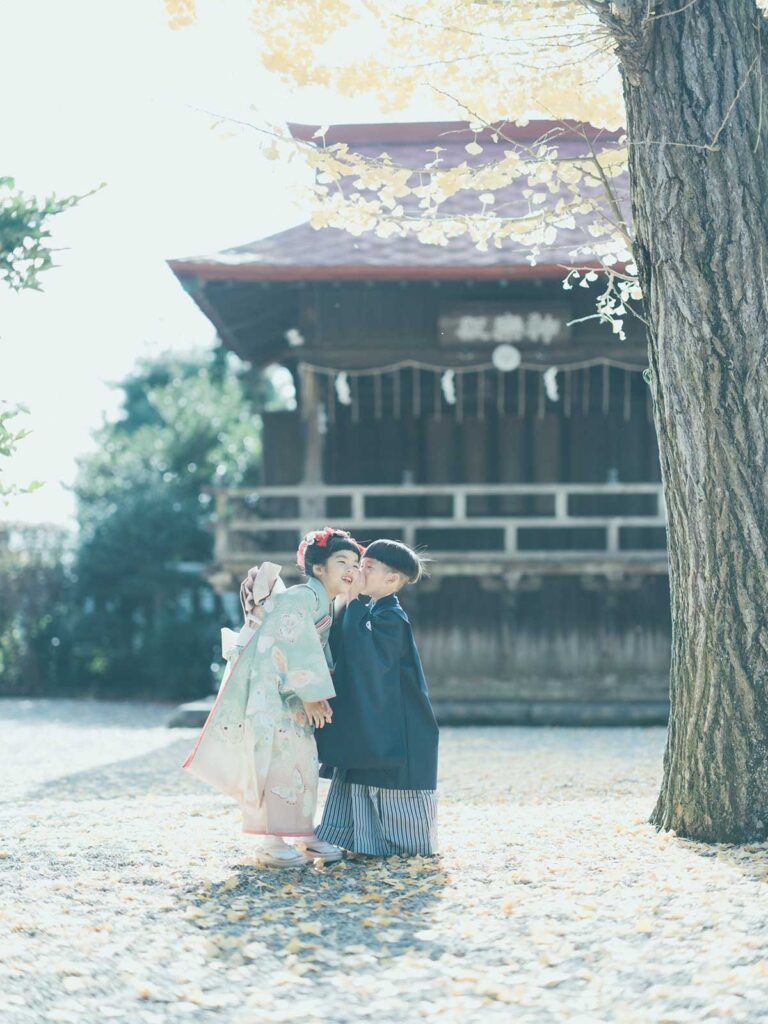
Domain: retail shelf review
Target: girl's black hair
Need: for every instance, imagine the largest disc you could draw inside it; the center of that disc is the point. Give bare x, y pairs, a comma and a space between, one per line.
398, 556
318, 554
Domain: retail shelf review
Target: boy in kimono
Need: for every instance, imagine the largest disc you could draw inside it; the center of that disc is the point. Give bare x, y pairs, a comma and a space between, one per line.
380, 749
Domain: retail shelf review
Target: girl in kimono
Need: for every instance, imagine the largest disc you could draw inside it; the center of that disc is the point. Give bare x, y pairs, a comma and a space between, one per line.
257, 744
380, 750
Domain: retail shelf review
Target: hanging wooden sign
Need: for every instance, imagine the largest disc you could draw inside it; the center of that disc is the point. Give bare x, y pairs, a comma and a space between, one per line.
494, 323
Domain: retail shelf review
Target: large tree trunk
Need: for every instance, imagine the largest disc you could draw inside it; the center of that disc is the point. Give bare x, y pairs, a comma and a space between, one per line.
695, 85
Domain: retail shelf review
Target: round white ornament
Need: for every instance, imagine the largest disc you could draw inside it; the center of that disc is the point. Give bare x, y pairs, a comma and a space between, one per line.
506, 358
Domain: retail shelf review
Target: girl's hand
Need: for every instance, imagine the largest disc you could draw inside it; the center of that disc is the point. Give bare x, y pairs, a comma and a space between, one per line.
318, 712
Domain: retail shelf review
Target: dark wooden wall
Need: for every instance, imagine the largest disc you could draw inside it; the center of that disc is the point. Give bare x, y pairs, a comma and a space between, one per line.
392, 317
554, 638
362, 323
589, 442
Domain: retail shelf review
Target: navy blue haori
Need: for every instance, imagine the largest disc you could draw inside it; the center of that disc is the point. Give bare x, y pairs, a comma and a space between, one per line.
383, 733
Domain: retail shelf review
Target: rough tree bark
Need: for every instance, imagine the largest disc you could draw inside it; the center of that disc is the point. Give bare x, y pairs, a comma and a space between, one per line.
696, 92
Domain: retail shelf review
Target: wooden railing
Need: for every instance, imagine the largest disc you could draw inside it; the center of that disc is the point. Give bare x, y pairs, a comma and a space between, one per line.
539, 521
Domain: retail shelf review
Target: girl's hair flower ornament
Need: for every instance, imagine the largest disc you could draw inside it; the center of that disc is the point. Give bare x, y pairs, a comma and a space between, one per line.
322, 538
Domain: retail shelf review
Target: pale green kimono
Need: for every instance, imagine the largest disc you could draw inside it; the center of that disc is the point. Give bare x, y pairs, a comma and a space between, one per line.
257, 744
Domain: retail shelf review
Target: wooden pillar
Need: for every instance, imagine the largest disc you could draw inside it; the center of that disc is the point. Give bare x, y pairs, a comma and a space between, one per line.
282, 439
439, 453
475, 442
311, 507
440, 458
511, 459
633, 435
546, 454
546, 448
589, 448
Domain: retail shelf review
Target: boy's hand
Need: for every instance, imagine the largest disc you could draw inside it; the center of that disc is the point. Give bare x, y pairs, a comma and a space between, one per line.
318, 712
356, 587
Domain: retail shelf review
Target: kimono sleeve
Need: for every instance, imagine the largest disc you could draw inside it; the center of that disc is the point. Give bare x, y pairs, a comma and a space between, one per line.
233, 644
289, 639
354, 613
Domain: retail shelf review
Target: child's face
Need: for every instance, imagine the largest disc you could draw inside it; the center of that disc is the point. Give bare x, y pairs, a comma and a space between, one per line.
378, 579
338, 572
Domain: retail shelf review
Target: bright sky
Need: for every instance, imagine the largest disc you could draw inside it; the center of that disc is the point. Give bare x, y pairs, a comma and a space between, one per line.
101, 90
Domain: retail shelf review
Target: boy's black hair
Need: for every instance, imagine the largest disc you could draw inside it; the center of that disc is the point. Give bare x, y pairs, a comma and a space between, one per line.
317, 553
398, 556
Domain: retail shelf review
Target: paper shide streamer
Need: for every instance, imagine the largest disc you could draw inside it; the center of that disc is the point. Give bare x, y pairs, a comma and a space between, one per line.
550, 384
343, 390
390, 395
448, 385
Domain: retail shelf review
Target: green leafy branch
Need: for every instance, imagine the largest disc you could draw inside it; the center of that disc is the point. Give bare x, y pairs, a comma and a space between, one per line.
25, 252
9, 439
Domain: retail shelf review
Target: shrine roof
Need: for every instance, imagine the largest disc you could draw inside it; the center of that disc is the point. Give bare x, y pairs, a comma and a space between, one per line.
304, 253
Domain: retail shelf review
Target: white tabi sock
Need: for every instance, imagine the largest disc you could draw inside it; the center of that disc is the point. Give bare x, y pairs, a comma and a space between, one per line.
275, 846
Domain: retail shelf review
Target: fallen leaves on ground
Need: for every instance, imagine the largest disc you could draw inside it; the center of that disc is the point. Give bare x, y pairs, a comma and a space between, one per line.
131, 896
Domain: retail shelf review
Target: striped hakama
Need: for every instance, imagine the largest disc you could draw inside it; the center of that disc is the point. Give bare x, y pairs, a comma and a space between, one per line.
379, 822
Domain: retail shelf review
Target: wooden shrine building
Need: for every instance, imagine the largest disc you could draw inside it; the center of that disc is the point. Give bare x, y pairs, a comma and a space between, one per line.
425, 412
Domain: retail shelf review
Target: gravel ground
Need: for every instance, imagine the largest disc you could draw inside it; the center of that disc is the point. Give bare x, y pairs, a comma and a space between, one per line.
129, 894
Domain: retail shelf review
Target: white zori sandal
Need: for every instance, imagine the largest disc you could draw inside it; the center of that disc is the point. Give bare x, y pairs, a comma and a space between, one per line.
273, 852
314, 848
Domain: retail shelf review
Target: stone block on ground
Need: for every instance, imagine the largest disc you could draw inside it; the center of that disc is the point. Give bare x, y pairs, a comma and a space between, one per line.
497, 712
191, 715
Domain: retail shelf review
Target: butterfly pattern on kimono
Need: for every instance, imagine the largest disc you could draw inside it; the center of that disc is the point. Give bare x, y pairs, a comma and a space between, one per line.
231, 728
295, 791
